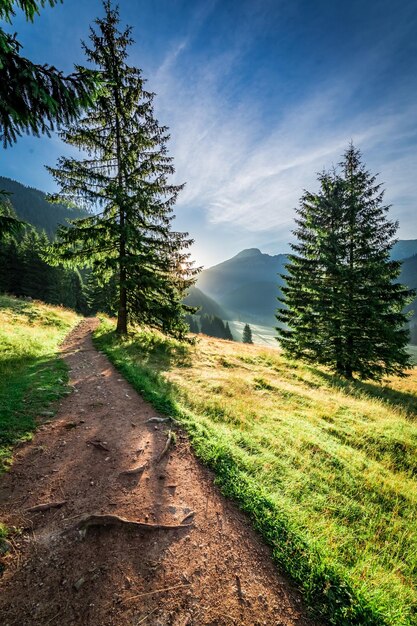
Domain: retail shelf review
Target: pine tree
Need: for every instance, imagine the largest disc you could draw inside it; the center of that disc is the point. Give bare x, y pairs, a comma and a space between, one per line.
342, 306
247, 334
11, 265
101, 296
9, 224
313, 280
33, 98
228, 333
192, 324
36, 273
125, 177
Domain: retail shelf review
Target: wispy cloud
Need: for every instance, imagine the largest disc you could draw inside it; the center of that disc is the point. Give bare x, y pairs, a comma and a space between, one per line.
249, 172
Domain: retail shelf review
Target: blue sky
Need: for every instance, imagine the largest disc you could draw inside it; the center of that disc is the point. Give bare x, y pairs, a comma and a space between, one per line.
259, 96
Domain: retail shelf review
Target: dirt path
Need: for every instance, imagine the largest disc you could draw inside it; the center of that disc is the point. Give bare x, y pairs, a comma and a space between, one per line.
217, 571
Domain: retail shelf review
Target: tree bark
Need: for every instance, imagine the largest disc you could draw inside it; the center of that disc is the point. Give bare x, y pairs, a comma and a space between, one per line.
121, 328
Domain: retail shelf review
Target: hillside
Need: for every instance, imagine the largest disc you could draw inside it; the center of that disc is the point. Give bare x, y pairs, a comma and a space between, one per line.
247, 285
206, 305
32, 206
325, 469
409, 277
408, 274
404, 248
251, 302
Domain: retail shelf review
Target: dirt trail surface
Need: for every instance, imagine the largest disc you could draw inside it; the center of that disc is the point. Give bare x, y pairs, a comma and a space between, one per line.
212, 570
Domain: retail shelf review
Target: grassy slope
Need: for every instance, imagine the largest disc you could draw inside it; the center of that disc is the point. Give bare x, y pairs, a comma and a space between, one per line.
326, 470
32, 377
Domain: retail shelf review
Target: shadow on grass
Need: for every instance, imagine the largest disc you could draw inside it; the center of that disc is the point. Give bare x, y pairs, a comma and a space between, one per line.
14, 304
404, 401
152, 349
30, 312
29, 388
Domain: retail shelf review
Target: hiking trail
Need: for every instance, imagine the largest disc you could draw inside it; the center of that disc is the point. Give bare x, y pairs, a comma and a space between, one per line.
93, 472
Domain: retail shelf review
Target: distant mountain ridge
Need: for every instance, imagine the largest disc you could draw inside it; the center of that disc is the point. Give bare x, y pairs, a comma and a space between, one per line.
32, 206
403, 249
207, 306
247, 285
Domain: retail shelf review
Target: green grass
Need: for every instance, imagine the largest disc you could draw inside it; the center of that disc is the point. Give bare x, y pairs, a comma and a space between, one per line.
325, 469
32, 376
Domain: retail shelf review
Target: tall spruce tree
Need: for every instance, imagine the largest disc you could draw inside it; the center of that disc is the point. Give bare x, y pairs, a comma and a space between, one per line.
247, 334
227, 332
342, 306
125, 178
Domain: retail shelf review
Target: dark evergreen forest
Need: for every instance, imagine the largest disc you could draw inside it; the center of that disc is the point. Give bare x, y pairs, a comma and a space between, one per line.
32, 206
25, 271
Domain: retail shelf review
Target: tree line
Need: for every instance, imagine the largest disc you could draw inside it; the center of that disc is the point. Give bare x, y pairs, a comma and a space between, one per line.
210, 325
214, 326
25, 271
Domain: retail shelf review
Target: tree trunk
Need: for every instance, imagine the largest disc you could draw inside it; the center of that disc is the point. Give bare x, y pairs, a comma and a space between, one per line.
122, 313
348, 373
121, 328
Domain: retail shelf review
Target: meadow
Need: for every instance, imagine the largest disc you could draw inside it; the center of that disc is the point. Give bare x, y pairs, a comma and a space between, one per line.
32, 376
325, 469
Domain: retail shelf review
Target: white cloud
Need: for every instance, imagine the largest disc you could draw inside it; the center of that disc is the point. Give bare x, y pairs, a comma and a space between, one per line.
247, 172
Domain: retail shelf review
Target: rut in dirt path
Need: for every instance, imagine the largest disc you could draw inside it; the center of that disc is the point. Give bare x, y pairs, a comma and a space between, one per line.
215, 571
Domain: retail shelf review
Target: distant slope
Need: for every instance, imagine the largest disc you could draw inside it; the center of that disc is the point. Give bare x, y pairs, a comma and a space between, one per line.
207, 306
408, 274
404, 249
32, 206
249, 266
254, 301
408, 277
248, 284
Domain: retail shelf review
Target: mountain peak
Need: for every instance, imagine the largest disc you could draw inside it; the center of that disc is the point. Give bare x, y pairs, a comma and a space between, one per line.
248, 253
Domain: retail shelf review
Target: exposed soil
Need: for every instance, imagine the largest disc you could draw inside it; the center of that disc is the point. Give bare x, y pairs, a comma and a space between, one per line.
216, 571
